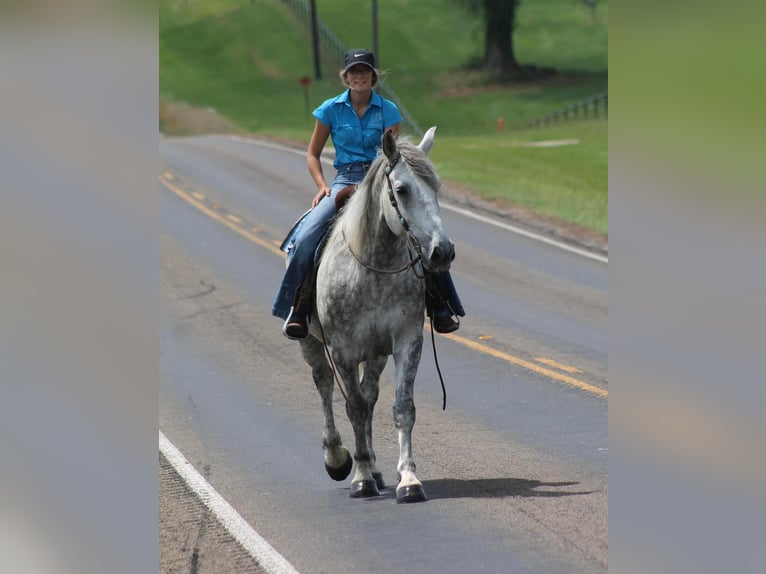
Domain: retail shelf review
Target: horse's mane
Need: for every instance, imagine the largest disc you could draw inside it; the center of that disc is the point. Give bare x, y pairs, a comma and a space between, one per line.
360, 212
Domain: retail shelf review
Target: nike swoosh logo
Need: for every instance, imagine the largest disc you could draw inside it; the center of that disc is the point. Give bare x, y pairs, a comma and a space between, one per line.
357, 55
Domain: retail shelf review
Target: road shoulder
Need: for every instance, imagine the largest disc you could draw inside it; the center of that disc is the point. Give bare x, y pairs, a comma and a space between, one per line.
191, 539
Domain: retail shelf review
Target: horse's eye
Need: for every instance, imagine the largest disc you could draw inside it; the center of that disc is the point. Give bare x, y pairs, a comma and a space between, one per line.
403, 189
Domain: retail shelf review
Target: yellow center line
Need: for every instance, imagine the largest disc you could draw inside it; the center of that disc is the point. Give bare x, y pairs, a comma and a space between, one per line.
557, 365
456, 338
566, 379
221, 219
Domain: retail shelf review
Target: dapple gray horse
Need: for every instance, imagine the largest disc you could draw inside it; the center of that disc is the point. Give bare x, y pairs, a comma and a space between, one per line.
370, 304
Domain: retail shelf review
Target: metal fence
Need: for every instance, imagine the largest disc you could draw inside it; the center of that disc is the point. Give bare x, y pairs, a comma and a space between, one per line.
592, 106
334, 50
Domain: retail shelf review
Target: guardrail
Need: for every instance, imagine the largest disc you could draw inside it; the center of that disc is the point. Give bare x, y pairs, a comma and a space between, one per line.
335, 50
592, 106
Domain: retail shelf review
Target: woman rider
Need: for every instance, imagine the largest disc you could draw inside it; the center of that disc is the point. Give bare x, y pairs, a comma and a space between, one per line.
356, 120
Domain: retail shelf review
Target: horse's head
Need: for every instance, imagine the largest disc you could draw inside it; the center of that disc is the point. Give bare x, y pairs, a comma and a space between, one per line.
411, 205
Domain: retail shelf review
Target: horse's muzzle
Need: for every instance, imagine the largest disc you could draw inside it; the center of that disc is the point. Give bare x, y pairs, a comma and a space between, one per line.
441, 256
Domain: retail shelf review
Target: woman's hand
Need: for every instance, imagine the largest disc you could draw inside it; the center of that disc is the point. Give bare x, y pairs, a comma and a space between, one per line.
323, 192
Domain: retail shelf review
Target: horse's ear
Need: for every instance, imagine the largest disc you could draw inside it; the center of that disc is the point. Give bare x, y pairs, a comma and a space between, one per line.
389, 144
428, 140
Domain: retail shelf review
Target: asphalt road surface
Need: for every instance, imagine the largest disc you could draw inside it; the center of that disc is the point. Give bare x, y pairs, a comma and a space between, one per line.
515, 468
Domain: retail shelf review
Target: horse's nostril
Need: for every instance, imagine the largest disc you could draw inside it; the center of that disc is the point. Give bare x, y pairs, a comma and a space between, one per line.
442, 254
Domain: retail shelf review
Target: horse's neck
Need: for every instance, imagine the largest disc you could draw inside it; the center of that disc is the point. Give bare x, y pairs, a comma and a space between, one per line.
385, 248
370, 239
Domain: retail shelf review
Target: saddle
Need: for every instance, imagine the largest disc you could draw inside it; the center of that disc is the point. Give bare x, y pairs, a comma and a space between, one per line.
342, 196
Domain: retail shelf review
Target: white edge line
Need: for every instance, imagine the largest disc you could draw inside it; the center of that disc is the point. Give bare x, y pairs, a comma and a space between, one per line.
460, 210
526, 233
266, 556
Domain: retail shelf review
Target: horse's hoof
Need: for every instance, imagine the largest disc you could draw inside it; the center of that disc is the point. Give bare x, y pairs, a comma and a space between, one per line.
378, 476
341, 472
412, 493
364, 489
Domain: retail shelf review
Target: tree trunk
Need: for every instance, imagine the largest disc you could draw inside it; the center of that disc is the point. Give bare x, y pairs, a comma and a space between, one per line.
500, 16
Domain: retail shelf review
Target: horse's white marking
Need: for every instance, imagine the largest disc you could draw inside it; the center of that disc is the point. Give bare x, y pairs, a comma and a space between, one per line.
335, 456
446, 205
268, 558
358, 474
408, 478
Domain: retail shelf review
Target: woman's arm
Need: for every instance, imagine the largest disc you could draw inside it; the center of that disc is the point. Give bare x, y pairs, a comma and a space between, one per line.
314, 163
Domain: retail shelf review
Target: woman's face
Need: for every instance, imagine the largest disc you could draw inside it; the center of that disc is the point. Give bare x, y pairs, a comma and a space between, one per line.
359, 77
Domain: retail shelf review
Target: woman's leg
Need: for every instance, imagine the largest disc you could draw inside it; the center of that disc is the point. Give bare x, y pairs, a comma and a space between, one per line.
301, 259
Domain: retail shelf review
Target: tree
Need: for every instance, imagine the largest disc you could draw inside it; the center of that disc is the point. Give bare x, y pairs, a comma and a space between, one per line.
499, 23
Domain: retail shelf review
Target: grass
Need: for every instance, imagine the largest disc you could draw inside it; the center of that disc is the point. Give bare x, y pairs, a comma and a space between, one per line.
244, 59
562, 181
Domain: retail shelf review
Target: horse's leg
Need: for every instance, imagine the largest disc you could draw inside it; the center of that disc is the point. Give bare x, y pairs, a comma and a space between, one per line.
407, 359
370, 388
363, 483
337, 459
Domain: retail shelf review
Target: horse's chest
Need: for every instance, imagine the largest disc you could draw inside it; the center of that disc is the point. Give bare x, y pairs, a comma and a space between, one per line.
373, 309
375, 294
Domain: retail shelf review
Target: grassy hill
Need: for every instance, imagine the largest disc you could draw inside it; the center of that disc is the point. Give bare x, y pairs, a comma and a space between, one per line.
244, 59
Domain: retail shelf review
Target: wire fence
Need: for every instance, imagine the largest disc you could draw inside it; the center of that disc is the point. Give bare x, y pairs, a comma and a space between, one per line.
592, 106
335, 51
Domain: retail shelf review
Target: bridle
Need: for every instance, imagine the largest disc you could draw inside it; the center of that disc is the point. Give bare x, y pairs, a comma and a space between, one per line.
413, 241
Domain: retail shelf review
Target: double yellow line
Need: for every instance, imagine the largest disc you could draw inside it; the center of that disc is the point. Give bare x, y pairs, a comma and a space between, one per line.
197, 200
234, 223
566, 379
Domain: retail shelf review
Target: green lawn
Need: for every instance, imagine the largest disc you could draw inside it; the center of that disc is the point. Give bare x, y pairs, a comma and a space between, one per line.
564, 181
245, 58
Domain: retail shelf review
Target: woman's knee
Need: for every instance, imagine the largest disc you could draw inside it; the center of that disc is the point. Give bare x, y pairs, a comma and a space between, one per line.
319, 218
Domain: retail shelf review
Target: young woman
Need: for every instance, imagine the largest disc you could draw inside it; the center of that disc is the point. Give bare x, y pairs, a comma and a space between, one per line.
356, 120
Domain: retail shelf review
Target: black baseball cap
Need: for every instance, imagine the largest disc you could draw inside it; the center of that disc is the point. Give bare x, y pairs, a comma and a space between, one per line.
359, 56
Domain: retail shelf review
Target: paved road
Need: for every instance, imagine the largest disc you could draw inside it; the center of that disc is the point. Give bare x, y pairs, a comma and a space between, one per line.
515, 468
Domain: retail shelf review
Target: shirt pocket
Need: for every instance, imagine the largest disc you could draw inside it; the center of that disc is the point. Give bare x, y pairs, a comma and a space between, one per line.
372, 133
345, 137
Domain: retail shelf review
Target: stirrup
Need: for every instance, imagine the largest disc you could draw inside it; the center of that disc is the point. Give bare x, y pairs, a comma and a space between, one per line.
295, 327
445, 324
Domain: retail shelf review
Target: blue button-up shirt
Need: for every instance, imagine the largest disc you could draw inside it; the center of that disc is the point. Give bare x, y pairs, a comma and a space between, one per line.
357, 140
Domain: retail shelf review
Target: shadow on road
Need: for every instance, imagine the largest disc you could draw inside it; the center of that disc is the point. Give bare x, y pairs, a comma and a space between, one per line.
497, 488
